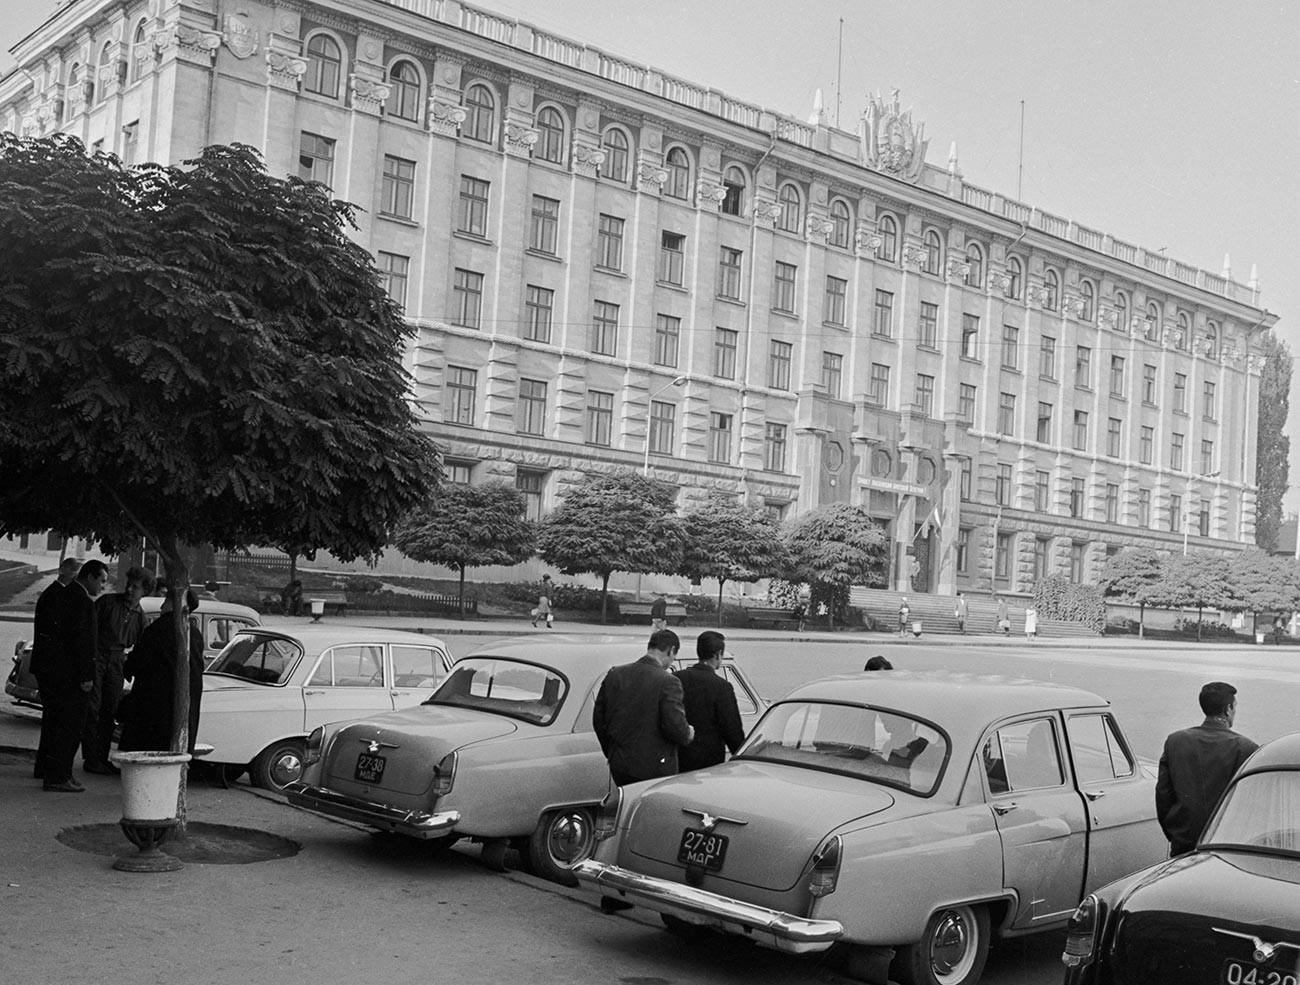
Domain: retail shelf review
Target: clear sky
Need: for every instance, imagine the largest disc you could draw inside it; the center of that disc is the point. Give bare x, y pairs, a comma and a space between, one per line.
1166, 123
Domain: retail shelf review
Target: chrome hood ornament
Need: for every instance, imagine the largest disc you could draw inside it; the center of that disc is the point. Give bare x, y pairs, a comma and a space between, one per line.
708, 822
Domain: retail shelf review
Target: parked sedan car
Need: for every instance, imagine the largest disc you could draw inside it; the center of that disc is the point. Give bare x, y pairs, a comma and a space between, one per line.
919, 811
1227, 913
218, 621
504, 750
269, 688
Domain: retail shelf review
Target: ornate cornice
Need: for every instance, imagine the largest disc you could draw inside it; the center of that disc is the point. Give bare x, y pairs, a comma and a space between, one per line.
650, 177
914, 255
709, 193
868, 241
958, 268
586, 159
819, 227
284, 71
368, 96
445, 117
766, 212
520, 138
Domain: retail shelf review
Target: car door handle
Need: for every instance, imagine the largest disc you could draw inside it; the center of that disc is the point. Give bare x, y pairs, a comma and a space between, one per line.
1094, 794
1001, 809
311, 691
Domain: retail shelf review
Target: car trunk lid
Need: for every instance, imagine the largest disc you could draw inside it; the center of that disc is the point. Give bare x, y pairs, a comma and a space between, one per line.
786, 813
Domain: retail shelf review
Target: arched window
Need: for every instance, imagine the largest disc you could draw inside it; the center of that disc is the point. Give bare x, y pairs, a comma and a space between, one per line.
1016, 277
615, 165
678, 165
480, 114
1088, 295
1052, 286
74, 80
1153, 320
404, 91
791, 209
887, 226
550, 136
324, 65
933, 252
139, 53
1184, 338
1121, 311
841, 224
1211, 346
103, 64
734, 182
975, 257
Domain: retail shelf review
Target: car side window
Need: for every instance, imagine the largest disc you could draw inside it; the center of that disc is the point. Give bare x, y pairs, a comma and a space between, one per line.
416, 666
1023, 756
1099, 753
350, 666
744, 700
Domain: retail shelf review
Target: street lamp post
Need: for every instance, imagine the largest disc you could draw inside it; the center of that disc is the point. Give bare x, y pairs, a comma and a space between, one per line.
645, 460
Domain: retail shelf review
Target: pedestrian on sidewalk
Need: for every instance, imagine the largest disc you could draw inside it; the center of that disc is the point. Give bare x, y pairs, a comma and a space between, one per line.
960, 610
45, 639
119, 621
1004, 617
543, 610
903, 612
659, 613
148, 716
1031, 623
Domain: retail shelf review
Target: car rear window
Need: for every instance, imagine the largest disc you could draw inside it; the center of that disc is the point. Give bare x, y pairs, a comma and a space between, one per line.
1260, 811
257, 658
506, 687
875, 744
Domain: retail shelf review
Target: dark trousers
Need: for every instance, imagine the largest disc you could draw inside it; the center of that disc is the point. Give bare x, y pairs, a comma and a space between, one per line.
63, 708
101, 710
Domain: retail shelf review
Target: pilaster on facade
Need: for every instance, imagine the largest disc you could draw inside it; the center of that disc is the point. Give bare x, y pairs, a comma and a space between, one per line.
520, 129
570, 401
366, 94
501, 390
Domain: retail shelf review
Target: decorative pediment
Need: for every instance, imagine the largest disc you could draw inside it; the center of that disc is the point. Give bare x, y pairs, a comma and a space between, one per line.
890, 141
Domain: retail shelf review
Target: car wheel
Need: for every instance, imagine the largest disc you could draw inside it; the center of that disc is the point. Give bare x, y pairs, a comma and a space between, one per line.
951, 952
278, 765
562, 839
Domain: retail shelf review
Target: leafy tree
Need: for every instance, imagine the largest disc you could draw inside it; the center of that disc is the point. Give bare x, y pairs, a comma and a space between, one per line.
833, 547
469, 526
1132, 576
620, 521
1197, 580
1265, 583
1272, 446
198, 354
729, 541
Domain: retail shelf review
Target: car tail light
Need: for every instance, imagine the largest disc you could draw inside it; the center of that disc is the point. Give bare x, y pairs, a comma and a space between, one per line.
1081, 934
315, 742
607, 814
826, 868
443, 775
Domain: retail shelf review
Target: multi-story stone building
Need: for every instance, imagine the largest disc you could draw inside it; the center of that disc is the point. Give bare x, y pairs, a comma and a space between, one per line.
608, 266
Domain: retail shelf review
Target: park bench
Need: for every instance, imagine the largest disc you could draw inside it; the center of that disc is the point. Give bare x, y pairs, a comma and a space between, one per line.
774, 616
640, 611
334, 600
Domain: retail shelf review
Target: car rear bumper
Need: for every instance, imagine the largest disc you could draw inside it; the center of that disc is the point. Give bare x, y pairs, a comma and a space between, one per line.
772, 928
416, 824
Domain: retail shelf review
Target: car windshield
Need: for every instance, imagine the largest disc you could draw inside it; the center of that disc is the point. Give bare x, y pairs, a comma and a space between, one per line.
505, 687
875, 744
1261, 811
257, 658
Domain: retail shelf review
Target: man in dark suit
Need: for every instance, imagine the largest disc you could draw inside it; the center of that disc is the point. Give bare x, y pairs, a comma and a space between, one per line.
45, 633
65, 673
639, 718
710, 703
1196, 766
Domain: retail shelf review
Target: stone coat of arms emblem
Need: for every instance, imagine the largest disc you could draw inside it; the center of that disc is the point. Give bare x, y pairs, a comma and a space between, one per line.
891, 142
240, 35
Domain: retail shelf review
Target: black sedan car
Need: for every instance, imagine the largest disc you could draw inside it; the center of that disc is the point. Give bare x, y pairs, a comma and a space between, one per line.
1227, 913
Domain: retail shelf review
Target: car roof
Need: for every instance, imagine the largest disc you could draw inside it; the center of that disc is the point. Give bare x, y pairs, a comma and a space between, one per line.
152, 604
570, 655
318, 637
943, 695
1281, 752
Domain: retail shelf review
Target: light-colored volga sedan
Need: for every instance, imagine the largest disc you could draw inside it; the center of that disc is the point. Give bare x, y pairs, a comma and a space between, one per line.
908, 810
504, 751
269, 688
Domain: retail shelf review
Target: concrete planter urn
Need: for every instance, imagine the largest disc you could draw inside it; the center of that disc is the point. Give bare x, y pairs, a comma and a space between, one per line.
151, 783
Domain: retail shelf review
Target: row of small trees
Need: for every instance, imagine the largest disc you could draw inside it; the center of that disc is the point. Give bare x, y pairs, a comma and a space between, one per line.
1251, 582
625, 521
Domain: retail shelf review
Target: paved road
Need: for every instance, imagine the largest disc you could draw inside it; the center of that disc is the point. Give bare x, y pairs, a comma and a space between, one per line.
410, 913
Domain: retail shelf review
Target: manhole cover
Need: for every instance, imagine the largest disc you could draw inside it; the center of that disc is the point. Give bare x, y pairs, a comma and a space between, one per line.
204, 844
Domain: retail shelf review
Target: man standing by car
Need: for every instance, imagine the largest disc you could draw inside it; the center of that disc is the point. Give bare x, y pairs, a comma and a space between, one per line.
119, 621
1195, 768
639, 717
45, 640
710, 703
66, 674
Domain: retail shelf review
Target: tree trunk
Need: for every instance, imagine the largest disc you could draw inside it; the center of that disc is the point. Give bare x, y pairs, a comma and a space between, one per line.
1142, 623
604, 595
293, 566
721, 581
461, 605
1198, 624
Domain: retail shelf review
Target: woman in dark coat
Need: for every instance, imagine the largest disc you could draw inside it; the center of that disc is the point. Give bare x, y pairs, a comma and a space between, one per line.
147, 718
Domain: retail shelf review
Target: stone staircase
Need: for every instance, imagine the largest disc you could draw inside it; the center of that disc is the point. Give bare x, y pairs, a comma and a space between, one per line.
935, 613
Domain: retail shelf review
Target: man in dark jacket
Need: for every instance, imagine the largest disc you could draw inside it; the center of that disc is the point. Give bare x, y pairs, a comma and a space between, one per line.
65, 673
119, 621
639, 718
1196, 766
710, 703
149, 718
45, 641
